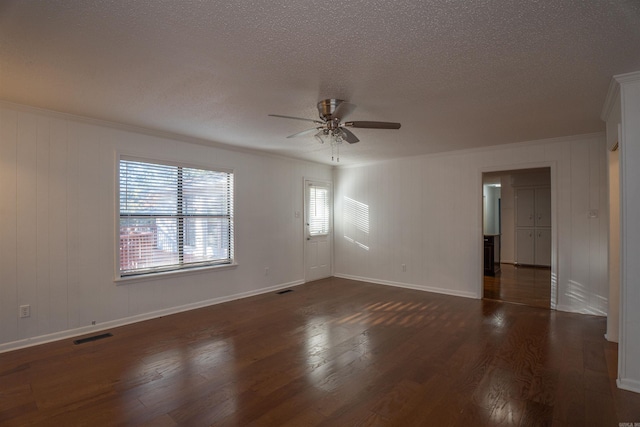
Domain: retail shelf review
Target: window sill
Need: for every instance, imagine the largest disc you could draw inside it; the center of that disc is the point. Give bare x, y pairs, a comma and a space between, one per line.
169, 274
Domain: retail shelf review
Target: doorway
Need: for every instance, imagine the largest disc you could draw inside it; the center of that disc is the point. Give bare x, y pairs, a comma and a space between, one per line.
517, 230
318, 224
613, 315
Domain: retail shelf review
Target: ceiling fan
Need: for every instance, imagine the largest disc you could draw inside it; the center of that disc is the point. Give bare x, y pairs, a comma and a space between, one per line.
330, 125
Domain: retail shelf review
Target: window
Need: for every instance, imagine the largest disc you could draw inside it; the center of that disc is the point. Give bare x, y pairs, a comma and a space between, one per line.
173, 217
318, 217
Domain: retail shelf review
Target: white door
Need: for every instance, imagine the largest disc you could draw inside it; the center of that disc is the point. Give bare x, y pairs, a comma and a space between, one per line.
525, 252
524, 207
543, 247
317, 215
543, 207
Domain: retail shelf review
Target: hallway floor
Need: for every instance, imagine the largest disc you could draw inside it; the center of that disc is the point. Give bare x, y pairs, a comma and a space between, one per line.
523, 285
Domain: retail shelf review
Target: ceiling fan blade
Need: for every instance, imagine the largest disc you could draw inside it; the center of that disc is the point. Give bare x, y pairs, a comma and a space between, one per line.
349, 136
304, 132
296, 118
343, 110
373, 125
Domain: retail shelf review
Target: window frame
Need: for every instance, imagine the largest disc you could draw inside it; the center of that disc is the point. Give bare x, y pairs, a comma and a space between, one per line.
181, 269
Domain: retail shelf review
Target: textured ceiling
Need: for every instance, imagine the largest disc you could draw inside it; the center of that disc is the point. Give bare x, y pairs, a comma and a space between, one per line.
456, 74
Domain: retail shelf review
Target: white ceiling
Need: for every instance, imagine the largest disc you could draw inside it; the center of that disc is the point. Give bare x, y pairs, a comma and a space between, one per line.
456, 74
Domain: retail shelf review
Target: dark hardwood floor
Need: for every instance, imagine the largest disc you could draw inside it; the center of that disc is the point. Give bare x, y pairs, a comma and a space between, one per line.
522, 285
331, 353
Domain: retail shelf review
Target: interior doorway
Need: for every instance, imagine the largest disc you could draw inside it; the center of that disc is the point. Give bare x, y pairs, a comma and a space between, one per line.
517, 231
613, 313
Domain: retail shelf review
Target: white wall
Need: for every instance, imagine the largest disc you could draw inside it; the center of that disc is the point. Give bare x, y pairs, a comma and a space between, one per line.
58, 222
629, 349
491, 215
425, 212
612, 115
508, 216
613, 317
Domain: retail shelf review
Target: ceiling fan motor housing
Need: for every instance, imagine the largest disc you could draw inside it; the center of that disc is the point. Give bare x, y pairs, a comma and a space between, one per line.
327, 107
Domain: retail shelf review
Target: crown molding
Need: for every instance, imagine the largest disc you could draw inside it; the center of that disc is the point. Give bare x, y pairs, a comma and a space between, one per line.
613, 94
152, 132
613, 97
475, 150
628, 77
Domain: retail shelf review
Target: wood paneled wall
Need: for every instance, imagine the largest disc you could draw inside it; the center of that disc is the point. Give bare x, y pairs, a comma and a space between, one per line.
58, 226
426, 213
629, 361
57, 223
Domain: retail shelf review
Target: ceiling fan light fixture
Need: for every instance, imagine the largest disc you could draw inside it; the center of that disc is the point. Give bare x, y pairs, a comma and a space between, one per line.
334, 136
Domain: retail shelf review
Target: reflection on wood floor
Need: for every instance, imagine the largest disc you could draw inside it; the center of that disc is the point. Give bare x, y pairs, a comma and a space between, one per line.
522, 285
331, 353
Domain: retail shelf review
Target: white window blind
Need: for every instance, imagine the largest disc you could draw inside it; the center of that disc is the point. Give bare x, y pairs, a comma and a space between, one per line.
318, 210
173, 217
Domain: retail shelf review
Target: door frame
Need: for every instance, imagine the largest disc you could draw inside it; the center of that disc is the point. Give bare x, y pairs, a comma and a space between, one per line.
552, 165
330, 236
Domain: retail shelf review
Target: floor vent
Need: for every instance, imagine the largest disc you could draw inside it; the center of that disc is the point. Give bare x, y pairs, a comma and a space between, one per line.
286, 291
93, 338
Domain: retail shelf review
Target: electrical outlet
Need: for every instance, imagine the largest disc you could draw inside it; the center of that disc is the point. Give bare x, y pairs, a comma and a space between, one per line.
25, 311
266, 271
404, 267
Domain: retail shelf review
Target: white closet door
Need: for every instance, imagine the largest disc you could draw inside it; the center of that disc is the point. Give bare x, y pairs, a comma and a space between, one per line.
525, 207
525, 244
543, 247
543, 207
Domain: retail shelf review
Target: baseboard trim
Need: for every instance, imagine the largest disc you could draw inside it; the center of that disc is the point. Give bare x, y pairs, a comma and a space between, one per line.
409, 286
610, 338
70, 333
591, 312
629, 385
